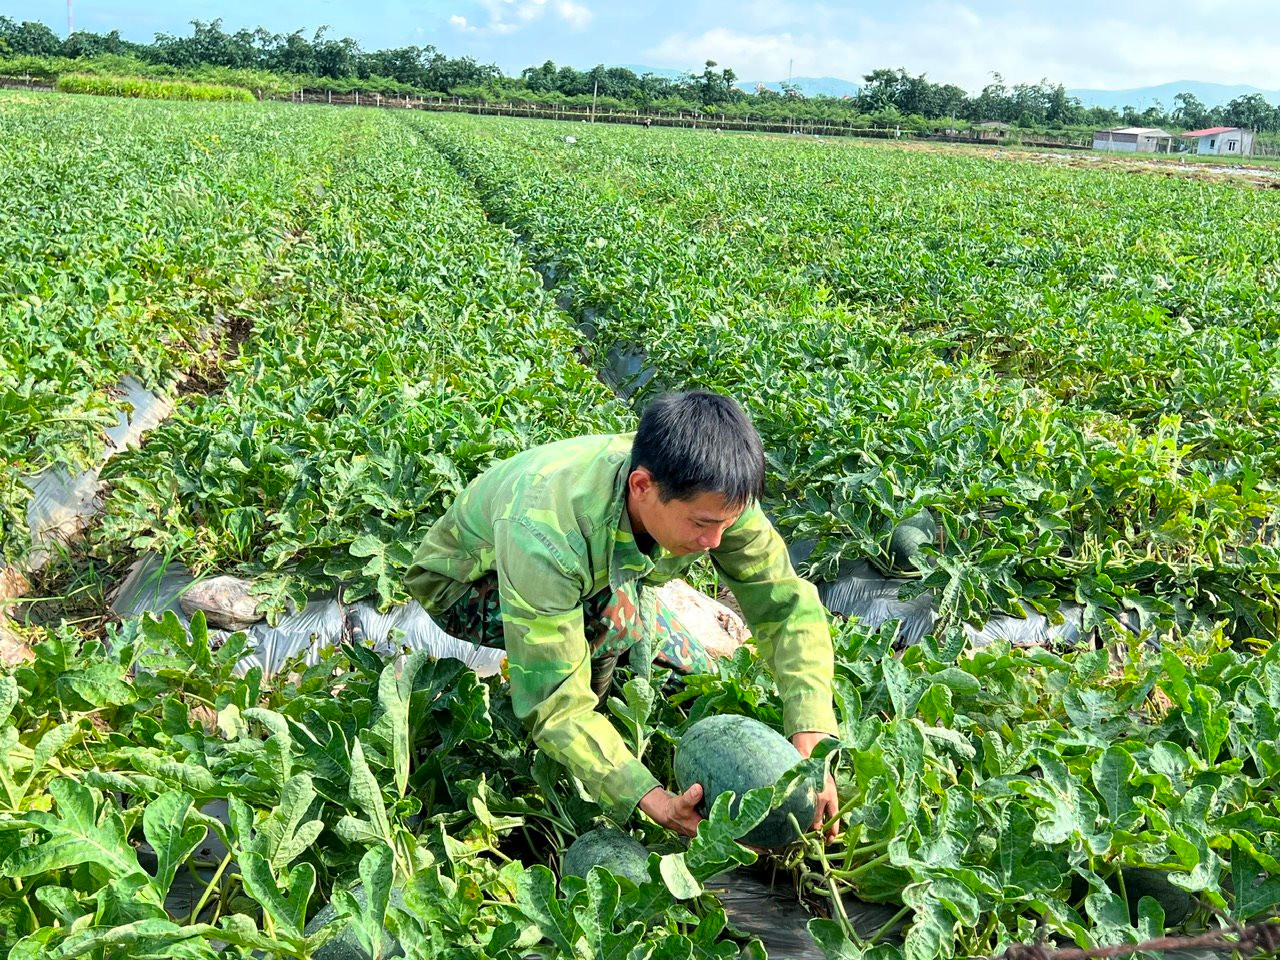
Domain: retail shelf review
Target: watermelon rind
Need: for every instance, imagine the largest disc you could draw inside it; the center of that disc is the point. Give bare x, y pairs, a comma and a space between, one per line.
916, 531
737, 754
608, 848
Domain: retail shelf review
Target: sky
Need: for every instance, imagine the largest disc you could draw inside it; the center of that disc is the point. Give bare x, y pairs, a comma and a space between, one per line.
1108, 44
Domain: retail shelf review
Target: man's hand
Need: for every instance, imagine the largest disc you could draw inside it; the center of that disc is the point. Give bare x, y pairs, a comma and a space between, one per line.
828, 802
678, 812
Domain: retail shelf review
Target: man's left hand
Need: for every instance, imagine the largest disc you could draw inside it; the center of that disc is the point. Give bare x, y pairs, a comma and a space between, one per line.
828, 802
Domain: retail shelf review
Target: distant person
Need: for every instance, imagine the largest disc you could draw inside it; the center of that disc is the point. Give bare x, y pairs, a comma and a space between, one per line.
554, 555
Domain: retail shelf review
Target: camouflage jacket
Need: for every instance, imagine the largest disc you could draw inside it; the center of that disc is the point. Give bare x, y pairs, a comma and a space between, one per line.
552, 522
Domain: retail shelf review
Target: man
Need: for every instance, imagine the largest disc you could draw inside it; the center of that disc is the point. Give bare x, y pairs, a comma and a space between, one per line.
552, 554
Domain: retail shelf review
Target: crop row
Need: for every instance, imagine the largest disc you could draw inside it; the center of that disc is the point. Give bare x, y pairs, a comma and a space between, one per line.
124, 233
398, 347
1080, 382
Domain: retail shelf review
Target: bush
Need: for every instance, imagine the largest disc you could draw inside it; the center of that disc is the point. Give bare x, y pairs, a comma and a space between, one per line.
145, 89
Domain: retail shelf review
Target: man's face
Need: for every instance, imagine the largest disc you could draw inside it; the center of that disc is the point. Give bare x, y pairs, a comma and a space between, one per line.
680, 526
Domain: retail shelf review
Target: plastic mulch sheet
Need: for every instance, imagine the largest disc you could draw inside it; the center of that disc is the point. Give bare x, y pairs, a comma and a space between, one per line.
863, 592
153, 586
62, 502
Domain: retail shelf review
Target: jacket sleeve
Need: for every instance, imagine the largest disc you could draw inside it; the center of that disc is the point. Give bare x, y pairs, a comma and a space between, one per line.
786, 618
549, 662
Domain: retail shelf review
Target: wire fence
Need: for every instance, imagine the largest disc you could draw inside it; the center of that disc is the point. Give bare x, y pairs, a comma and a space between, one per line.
689, 120
1256, 940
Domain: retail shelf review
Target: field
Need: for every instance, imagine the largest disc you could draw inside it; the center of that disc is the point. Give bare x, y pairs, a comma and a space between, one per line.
1075, 370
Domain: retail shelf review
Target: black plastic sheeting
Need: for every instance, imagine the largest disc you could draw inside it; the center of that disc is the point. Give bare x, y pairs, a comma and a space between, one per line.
771, 913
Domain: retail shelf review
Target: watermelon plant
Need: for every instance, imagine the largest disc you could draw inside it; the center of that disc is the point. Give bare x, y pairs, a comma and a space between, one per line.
134, 240
1041, 356
1016, 385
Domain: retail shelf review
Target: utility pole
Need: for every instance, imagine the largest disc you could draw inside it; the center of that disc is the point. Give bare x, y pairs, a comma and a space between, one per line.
70, 21
595, 92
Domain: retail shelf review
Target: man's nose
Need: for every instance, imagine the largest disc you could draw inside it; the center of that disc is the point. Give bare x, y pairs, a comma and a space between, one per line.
709, 541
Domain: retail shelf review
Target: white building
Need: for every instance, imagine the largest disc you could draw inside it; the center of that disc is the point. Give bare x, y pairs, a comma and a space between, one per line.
1133, 140
1222, 141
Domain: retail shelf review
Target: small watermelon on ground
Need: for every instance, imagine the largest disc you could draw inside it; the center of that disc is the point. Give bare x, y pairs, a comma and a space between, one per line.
346, 945
918, 530
732, 753
608, 848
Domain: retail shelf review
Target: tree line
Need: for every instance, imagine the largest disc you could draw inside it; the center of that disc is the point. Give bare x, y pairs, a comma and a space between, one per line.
886, 96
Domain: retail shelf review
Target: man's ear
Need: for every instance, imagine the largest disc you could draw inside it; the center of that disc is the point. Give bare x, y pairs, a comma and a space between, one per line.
641, 482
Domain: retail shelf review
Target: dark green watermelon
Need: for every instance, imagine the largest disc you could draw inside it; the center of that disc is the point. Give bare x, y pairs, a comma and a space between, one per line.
740, 754
1141, 882
909, 536
346, 945
611, 849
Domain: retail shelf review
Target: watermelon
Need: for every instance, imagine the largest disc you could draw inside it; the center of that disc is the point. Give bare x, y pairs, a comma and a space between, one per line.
346, 945
611, 849
918, 530
1142, 882
740, 754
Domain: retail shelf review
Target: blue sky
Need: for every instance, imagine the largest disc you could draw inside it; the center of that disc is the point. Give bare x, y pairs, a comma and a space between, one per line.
1082, 43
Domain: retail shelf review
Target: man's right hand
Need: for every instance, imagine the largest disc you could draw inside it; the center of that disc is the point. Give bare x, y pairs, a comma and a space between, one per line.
678, 812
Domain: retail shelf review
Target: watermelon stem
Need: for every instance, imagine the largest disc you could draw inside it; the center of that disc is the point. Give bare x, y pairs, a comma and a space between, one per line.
859, 870
208, 890
889, 925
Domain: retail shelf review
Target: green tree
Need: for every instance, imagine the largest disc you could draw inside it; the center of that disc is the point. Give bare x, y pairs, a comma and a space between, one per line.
1189, 113
1251, 111
993, 103
30, 39
540, 79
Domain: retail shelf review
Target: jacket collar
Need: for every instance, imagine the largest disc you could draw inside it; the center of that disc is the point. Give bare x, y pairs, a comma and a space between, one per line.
626, 561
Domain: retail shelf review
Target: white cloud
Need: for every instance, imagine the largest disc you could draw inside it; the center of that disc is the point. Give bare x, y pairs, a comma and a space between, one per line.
505, 17
574, 14
953, 44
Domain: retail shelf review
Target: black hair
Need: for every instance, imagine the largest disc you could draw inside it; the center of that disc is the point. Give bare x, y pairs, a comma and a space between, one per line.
700, 442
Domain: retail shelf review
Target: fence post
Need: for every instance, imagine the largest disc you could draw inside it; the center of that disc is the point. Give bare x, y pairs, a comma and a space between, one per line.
357, 98
331, 96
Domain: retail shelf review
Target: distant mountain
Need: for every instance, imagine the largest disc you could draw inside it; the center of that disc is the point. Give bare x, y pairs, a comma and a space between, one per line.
1210, 94
809, 86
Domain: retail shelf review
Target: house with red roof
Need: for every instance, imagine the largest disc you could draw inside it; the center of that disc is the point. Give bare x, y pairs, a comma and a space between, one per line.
1222, 141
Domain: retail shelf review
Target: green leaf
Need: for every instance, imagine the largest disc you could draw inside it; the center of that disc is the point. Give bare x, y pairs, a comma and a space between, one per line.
366, 796
536, 899
164, 823
286, 833
1256, 893
1112, 774
8, 696
675, 874
715, 848
96, 686
395, 692
635, 712
279, 744
904, 689
369, 925
1150, 918
284, 901
78, 833
831, 939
